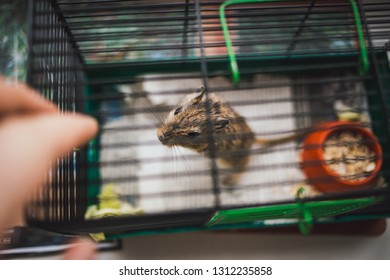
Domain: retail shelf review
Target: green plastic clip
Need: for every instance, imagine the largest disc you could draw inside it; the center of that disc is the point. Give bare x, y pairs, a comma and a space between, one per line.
364, 61
306, 218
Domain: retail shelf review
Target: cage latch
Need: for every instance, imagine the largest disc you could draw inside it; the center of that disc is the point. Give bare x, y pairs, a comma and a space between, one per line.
305, 215
306, 220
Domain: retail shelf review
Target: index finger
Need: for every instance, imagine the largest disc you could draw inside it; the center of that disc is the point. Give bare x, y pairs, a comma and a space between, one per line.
20, 98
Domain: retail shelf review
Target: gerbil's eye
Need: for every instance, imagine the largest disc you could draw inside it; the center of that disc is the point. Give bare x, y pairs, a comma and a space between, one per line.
193, 134
178, 110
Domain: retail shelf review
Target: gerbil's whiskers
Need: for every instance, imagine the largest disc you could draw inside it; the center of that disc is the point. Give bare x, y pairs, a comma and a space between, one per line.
175, 158
187, 169
155, 117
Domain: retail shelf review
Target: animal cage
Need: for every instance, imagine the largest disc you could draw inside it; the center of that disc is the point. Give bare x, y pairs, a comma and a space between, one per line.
314, 70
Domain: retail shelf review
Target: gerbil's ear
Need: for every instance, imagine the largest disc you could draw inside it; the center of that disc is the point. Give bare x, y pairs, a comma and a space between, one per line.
198, 95
221, 123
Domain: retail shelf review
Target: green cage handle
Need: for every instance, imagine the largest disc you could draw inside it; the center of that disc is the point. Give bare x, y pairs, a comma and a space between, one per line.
364, 61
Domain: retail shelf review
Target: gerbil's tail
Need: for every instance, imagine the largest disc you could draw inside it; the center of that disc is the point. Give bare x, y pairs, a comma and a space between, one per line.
282, 140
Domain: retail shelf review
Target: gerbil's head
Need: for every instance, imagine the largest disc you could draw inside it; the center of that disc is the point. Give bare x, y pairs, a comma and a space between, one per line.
187, 124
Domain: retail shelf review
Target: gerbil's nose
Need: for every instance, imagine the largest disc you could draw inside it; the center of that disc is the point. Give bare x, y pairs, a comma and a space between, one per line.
163, 137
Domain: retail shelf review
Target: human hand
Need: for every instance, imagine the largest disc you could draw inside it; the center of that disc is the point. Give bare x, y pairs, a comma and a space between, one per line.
32, 136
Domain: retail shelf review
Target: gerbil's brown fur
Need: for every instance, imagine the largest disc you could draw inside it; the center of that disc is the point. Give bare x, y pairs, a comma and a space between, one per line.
188, 124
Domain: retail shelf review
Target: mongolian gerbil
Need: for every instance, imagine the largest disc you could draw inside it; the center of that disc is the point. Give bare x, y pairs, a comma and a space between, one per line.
187, 125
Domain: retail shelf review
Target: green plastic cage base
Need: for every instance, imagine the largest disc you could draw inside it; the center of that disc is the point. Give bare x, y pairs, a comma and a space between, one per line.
278, 216
306, 213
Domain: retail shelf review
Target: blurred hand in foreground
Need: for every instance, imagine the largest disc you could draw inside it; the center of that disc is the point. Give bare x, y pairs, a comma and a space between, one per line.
33, 134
